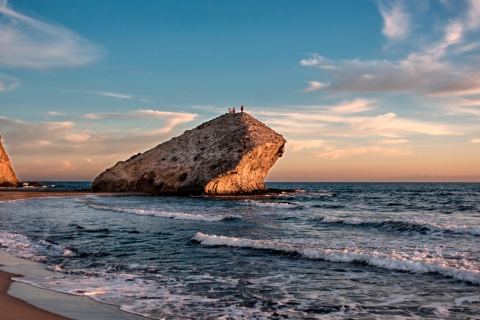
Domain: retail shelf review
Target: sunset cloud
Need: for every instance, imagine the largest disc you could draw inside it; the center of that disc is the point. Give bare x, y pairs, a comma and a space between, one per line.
315, 85
395, 19
297, 145
341, 153
433, 70
80, 137
26, 42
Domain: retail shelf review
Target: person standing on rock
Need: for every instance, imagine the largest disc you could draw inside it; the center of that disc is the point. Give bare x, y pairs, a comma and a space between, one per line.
233, 111
241, 108
229, 110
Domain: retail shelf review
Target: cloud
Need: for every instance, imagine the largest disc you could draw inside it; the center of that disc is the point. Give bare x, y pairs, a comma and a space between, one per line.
475, 140
90, 136
172, 117
297, 145
29, 43
442, 66
357, 105
396, 21
393, 141
7, 83
340, 153
315, 85
123, 96
321, 122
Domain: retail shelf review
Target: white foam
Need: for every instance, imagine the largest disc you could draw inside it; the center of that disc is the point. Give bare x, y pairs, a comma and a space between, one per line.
269, 204
23, 247
470, 299
393, 261
165, 214
419, 223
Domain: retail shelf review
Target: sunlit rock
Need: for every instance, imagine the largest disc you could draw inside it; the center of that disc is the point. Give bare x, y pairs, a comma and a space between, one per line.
231, 154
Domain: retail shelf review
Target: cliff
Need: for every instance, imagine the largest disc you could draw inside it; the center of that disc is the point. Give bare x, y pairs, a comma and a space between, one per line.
227, 155
7, 175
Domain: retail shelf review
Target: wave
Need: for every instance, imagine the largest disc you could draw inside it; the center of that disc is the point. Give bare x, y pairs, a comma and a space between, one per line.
26, 248
400, 225
268, 204
166, 214
391, 262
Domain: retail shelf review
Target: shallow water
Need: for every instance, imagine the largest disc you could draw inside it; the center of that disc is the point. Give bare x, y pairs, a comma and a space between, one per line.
331, 250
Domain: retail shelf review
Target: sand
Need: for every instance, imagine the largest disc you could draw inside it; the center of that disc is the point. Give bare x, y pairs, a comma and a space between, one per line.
14, 309
23, 301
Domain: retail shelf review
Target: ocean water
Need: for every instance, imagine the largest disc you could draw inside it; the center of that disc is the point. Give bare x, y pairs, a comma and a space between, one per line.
327, 251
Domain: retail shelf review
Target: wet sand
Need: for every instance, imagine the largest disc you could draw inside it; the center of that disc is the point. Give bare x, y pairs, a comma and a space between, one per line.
13, 304
15, 194
13, 308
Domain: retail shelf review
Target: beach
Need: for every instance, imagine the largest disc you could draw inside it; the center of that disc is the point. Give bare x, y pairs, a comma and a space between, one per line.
14, 308
23, 301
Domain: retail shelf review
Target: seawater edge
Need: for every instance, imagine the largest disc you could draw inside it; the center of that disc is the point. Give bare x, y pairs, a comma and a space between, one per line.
67, 305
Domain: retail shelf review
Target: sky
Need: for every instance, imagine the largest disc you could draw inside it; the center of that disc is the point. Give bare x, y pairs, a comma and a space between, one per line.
365, 90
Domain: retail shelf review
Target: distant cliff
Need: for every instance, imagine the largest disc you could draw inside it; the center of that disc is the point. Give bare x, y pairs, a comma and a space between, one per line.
227, 155
7, 175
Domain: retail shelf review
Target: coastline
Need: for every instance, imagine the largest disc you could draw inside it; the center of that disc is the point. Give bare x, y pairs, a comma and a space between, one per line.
16, 194
15, 308
38, 303
24, 301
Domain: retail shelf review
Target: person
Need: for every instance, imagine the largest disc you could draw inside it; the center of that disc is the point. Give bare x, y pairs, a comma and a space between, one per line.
233, 110
241, 108
229, 110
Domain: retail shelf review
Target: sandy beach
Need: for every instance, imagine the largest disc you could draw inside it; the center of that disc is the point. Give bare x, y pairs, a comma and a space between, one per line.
15, 296
14, 308
15, 194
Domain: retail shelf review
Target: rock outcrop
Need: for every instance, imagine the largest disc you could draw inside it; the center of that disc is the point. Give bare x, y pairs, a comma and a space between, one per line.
227, 155
7, 175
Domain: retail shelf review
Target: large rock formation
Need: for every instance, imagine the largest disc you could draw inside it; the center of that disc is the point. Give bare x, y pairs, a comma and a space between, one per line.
227, 155
7, 175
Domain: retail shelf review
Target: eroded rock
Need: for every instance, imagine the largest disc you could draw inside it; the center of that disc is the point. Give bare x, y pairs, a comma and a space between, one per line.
7, 175
231, 154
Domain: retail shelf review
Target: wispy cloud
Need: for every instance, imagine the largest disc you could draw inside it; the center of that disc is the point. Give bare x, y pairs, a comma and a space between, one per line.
475, 140
89, 136
315, 85
396, 21
26, 42
357, 105
392, 141
7, 83
297, 145
340, 153
434, 70
123, 96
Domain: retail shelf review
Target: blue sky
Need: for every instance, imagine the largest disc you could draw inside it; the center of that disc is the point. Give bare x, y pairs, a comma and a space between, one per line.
362, 90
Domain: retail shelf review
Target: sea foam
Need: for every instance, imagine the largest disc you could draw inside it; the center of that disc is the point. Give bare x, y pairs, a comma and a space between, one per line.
391, 261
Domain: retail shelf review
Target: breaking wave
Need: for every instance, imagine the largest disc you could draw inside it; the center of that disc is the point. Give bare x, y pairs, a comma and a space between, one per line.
399, 225
166, 214
392, 261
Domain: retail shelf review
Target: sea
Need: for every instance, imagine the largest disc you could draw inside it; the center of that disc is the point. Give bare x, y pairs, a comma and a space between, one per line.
324, 251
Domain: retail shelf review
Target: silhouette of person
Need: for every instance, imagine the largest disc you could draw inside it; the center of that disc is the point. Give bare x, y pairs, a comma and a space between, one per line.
241, 108
233, 110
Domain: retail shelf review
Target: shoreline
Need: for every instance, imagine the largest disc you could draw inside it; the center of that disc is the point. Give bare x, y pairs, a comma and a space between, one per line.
15, 194
15, 308
26, 301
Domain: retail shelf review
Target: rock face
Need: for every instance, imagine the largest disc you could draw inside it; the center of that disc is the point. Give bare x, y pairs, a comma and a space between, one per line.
227, 155
7, 175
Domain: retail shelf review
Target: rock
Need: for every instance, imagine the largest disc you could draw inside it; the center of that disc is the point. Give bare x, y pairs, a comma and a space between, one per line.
7, 175
32, 184
227, 155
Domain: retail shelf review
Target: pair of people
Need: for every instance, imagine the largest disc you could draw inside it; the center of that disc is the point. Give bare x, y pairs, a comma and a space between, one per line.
233, 110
